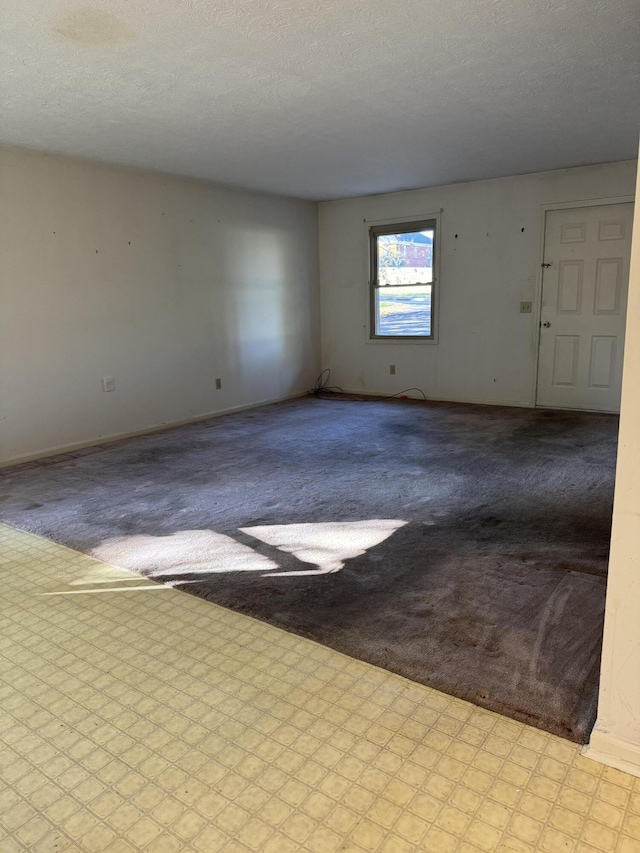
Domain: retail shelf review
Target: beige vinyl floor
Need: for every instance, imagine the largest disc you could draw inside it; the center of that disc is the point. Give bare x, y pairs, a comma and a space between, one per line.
137, 718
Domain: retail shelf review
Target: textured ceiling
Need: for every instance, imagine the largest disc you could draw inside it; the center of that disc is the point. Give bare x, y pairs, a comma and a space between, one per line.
325, 98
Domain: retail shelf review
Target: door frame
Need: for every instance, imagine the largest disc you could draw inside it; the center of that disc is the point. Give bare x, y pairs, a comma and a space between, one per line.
537, 309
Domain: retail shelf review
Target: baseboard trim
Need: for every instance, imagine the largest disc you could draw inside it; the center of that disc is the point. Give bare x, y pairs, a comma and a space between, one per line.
613, 751
121, 436
522, 404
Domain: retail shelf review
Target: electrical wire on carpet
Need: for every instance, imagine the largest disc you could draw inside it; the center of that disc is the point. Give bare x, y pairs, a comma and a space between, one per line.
322, 388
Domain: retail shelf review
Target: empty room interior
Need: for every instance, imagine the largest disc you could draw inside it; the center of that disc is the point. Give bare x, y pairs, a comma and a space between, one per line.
319, 427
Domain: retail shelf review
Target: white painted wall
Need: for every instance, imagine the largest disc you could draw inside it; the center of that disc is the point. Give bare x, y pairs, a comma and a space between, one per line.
487, 350
616, 737
161, 282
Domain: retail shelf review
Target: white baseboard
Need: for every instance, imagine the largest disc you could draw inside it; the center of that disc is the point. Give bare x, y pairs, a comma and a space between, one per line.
613, 751
149, 430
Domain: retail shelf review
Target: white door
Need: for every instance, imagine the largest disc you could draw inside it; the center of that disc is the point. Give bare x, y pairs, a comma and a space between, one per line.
584, 301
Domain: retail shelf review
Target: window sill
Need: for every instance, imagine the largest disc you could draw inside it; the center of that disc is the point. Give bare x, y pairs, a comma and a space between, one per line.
411, 341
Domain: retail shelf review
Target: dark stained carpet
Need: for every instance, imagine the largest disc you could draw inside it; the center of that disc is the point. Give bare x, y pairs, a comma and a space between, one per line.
477, 565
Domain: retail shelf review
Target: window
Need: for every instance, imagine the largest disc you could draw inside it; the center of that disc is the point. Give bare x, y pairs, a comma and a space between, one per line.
402, 280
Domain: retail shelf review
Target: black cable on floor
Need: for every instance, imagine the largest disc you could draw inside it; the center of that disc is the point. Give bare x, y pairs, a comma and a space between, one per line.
322, 388
401, 394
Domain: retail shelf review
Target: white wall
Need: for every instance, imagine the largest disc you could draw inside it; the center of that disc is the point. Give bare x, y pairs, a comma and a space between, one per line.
161, 282
616, 738
487, 350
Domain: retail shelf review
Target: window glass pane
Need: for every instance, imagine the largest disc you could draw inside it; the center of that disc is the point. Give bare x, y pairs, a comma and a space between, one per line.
403, 310
405, 258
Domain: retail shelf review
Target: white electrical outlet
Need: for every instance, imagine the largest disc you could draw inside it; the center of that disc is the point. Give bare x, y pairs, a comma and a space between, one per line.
392, 369
218, 384
108, 383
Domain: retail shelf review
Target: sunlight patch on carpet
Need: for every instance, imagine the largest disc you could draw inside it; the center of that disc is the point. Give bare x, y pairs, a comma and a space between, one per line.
325, 544
187, 552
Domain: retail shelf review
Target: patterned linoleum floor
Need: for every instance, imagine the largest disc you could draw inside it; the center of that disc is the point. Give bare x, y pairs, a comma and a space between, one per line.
137, 718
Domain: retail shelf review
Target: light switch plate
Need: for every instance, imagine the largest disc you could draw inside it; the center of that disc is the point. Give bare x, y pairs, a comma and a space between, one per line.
526, 307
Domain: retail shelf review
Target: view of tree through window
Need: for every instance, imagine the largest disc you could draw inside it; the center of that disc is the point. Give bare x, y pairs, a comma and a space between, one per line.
403, 282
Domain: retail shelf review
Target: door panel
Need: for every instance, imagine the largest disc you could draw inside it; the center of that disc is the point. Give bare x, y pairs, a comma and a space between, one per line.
570, 276
603, 361
565, 360
584, 299
608, 285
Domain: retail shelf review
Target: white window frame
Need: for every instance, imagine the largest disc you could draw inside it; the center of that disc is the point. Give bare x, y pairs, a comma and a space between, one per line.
434, 220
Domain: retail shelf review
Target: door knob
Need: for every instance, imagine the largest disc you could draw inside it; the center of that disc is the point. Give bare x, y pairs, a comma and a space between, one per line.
546, 324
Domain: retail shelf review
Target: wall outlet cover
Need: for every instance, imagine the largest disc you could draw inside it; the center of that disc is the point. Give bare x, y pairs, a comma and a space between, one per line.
526, 307
108, 383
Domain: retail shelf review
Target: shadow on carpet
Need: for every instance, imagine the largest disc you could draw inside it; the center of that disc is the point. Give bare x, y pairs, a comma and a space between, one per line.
464, 547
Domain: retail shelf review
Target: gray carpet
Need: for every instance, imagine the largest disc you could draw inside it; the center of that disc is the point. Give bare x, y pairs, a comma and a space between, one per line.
462, 546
